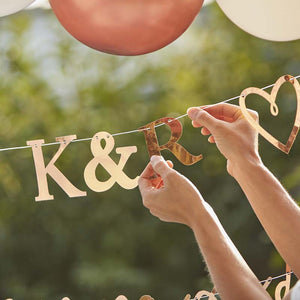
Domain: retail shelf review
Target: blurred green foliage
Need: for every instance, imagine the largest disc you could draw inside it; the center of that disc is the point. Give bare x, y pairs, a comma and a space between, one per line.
107, 244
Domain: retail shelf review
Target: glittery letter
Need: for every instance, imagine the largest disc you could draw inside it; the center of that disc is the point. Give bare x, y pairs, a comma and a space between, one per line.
176, 130
271, 98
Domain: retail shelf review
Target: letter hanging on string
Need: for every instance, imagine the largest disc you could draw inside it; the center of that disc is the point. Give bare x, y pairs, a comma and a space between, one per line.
286, 284
202, 295
101, 156
271, 98
176, 131
52, 170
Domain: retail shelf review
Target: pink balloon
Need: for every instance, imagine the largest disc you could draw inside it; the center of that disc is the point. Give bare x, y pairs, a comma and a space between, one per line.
126, 27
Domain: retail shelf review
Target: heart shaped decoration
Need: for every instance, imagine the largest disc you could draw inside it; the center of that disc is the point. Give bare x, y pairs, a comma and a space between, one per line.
271, 98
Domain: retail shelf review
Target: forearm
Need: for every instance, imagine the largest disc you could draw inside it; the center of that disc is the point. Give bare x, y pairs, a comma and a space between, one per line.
276, 210
231, 275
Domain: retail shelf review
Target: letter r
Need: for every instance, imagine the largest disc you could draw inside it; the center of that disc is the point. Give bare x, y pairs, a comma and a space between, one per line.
176, 130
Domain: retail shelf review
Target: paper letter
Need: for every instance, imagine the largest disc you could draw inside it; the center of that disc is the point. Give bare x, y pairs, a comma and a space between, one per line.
286, 284
52, 170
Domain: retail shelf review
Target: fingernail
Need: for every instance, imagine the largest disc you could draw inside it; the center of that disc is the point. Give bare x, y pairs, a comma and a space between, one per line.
205, 106
156, 158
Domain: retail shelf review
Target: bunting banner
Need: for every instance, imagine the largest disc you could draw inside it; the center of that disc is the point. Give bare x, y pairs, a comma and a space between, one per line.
101, 155
281, 290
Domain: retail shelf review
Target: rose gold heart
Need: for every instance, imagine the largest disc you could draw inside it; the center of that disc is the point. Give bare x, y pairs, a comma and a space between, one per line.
271, 98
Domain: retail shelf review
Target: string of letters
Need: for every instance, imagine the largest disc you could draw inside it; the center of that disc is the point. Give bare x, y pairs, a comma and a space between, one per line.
101, 155
131, 131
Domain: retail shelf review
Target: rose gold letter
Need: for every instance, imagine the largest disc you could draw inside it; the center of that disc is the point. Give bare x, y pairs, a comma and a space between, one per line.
176, 130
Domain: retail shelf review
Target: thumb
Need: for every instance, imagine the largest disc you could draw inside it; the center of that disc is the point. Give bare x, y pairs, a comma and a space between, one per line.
203, 118
160, 166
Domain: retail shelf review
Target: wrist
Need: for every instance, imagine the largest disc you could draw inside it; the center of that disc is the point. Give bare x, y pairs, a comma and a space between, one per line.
246, 164
200, 216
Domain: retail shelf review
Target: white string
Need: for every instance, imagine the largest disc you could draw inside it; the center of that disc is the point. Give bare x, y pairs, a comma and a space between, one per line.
132, 131
261, 282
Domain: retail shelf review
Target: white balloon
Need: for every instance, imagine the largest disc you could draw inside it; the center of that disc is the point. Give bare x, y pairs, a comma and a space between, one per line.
275, 20
8, 7
40, 4
207, 2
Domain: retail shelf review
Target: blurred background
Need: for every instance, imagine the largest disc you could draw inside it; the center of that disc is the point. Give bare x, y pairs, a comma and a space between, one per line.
108, 244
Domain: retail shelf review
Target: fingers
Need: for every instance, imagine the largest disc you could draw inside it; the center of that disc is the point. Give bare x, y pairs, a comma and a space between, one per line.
160, 166
145, 179
202, 117
161, 182
170, 164
223, 111
149, 178
205, 131
211, 139
226, 112
196, 125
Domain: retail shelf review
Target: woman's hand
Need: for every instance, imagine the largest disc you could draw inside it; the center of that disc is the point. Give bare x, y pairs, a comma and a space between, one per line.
168, 195
173, 198
227, 127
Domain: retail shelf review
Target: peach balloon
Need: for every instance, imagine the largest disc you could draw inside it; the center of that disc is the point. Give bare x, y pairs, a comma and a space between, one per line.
126, 27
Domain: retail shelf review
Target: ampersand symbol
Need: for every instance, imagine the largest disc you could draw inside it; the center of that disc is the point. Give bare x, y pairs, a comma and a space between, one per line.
101, 156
